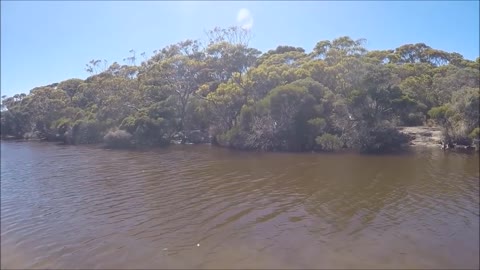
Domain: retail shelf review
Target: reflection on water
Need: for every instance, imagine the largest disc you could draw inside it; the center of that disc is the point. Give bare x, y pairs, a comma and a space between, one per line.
84, 207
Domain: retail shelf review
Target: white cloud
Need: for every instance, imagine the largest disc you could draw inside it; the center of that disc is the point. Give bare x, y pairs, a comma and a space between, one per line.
245, 19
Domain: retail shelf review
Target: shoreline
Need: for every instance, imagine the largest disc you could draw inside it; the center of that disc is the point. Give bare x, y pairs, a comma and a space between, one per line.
423, 135
420, 136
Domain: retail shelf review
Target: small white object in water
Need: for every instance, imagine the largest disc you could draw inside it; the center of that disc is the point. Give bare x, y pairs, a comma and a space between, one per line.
198, 244
165, 249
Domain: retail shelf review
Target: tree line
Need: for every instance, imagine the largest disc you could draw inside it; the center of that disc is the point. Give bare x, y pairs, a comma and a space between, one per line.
339, 95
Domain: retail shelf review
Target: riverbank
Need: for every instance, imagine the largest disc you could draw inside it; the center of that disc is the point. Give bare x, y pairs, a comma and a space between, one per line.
423, 135
419, 136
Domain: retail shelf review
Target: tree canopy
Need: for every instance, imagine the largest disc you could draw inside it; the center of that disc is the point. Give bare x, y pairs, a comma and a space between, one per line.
340, 95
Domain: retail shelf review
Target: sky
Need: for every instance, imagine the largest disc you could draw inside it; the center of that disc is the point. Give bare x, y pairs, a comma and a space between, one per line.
48, 42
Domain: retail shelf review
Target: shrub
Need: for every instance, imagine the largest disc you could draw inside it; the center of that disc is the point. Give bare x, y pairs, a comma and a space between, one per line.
381, 139
414, 119
150, 131
87, 131
440, 113
329, 142
118, 139
62, 125
475, 134
128, 124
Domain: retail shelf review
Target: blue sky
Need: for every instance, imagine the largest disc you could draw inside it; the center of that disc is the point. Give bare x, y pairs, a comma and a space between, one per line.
47, 42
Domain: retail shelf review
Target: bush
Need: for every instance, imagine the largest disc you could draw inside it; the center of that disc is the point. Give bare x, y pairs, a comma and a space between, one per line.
150, 131
232, 138
118, 139
440, 113
87, 131
329, 142
475, 134
129, 124
62, 125
381, 139
414, 119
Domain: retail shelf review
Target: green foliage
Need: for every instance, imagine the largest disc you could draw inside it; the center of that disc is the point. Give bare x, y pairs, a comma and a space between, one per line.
475, 134
439, 113
317, 124
87, 131
381, 139
150, 131
329, 142
62, 125
129, 124
340, 94
146, 130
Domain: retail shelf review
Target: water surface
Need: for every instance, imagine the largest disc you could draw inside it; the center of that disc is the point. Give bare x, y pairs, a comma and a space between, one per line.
85, 207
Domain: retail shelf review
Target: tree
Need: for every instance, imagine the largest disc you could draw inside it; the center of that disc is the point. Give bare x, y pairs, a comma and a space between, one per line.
95, 66
232, 35
442, 116
70, 87
338, 95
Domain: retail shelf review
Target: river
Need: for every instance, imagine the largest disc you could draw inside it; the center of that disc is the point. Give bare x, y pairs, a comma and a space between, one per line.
199, 206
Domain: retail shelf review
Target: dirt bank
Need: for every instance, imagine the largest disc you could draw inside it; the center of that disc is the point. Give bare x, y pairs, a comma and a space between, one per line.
423, 135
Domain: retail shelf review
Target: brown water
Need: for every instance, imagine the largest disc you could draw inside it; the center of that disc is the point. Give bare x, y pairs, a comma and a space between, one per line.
85, 207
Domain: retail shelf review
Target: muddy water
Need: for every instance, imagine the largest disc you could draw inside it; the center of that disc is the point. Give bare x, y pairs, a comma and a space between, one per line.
205, 207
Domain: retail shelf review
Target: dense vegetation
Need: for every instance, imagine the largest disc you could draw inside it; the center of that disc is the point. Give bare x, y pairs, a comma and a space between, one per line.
339, 95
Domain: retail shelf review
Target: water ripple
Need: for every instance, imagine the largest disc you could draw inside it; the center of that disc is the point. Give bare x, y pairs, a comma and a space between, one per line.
86, 207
